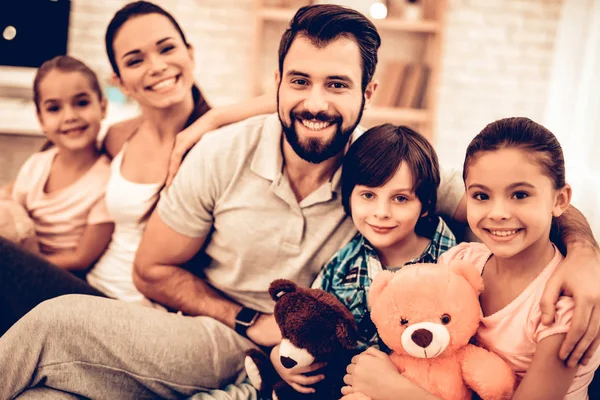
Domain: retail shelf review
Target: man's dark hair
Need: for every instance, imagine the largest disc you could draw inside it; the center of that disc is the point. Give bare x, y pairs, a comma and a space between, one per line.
323, 23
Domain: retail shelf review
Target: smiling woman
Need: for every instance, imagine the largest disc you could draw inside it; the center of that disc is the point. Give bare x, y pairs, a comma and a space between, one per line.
154, 67
153, 64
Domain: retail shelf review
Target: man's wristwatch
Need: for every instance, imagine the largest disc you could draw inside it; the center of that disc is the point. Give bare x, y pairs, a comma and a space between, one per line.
245, 319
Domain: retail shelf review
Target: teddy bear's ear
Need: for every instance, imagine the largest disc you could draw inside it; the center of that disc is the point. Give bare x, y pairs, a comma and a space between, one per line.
469, 272
379, 283
281, 287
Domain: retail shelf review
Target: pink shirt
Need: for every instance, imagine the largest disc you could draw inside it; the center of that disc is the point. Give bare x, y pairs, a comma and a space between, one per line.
60, 217
514, 331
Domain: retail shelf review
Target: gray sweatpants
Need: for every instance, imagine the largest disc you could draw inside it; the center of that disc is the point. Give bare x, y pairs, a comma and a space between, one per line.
106, 349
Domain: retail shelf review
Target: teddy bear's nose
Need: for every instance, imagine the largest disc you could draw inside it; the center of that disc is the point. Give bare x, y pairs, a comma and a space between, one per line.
287, 362
422, 337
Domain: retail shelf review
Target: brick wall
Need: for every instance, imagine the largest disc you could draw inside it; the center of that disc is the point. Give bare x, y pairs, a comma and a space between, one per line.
496, 61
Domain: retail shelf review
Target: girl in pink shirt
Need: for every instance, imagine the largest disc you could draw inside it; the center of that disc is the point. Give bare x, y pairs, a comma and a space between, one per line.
63, 187
63, 191
515, 181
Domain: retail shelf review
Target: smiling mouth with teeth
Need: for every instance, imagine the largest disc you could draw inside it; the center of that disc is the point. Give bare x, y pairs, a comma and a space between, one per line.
503, 233
163, 84
315, 126
74, 130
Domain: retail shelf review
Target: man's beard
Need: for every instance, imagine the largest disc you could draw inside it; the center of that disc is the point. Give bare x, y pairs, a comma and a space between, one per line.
315, 150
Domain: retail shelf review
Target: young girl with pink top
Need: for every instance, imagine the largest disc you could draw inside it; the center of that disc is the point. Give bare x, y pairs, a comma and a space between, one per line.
514, 176
63, 188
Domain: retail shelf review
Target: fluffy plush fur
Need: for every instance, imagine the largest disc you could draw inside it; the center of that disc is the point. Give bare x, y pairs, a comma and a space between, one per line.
426, 314
315, 327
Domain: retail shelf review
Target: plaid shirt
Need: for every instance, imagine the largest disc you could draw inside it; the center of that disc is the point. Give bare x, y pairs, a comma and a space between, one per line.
349, 273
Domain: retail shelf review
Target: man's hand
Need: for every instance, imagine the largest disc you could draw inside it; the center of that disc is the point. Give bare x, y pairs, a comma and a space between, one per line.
295, 376
265, 331
578, 276
372, 374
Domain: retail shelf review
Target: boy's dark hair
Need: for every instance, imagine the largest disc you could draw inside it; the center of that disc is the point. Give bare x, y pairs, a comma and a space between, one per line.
374, 158
521, 133
323, 23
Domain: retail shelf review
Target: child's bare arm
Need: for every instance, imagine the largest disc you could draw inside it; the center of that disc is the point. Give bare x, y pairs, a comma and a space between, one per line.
295, 377
93, 243
213, 119
548, 377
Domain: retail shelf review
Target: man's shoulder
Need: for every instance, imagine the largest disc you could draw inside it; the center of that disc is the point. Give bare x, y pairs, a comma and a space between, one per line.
232, 140
236, 133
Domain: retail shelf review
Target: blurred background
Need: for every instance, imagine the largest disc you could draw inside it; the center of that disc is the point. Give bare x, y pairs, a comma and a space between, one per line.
447, 67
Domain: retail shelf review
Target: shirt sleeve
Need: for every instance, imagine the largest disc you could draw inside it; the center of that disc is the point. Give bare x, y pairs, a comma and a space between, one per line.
99, 213
562, 319
187, 205
462, 251
450, 192
25, 180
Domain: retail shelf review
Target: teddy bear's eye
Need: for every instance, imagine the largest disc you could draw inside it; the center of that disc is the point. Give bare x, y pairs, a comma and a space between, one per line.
403, 321
445, 319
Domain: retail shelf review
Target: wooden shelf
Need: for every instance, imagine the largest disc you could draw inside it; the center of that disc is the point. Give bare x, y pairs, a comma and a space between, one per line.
397, 115
392, 24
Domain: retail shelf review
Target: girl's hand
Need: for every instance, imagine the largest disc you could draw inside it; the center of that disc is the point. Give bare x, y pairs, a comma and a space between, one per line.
295, 376
373, 375
577, 276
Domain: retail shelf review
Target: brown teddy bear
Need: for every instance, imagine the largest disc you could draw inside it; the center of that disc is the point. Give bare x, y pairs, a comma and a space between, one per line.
427, 314
315, 327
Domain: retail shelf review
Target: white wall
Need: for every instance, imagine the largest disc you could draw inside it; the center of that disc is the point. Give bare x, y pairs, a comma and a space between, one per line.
497, 62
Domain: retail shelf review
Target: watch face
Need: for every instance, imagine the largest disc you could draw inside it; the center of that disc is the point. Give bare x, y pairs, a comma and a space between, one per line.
246, 315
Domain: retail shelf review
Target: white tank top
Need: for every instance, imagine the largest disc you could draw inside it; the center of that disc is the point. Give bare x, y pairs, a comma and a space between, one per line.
127, 203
